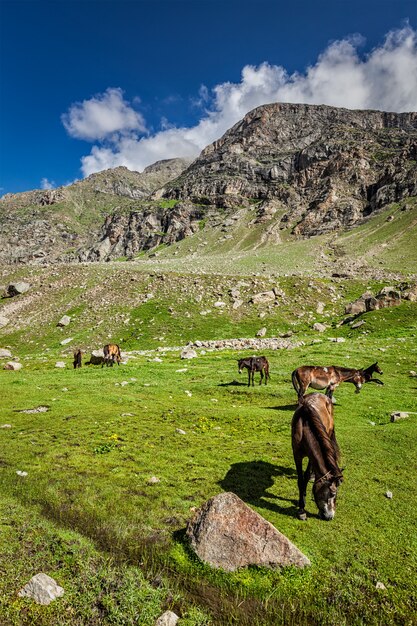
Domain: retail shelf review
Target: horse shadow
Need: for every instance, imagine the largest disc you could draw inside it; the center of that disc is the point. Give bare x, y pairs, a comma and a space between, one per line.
233, 383
284, 407
251, 481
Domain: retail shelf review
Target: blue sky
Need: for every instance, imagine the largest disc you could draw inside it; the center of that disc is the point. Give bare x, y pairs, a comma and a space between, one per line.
86, 85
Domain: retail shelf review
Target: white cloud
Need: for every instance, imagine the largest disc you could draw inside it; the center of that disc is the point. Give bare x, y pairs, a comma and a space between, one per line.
385, 79
102, 116
47, 184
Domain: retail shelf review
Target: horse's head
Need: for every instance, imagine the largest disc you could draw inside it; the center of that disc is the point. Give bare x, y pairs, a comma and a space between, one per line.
358, 379
324, 492
376, 368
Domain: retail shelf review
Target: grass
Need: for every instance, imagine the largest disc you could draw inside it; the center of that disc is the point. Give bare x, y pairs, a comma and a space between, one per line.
87, 515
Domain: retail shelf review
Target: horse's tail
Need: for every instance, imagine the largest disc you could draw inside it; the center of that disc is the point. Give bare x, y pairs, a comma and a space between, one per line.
327, 443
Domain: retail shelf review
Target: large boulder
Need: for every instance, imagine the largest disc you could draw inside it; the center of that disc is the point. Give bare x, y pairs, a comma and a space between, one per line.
359, 305
227, 534
12, 365
15, 289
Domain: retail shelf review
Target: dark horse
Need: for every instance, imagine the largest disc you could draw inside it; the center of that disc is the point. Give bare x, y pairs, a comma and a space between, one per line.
321, 377
313, 436
255, 364
77, 358
112, 354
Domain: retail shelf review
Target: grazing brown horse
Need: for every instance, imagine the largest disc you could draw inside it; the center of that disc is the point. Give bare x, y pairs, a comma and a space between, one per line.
321, 377
112, 354
77, 358
313, 437
255, 364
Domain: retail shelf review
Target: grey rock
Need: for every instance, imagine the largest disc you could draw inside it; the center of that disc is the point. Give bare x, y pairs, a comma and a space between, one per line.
60, 364
3, 321
263, 297
65, 341
399, 415
261, 332
16, 289
4, 353
319, 327
227, 534
188, 353
169, 618
42, 589
64, 321
12, 365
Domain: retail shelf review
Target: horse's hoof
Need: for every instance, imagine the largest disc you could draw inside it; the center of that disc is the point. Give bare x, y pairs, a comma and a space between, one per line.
302, 515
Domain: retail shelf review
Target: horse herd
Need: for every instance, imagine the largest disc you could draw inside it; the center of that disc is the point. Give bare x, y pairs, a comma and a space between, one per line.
312, 428
111, 355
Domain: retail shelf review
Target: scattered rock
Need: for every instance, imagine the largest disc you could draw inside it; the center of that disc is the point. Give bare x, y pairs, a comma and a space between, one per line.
388, 494
413, 374
65, 341
261, 332
338, 339
12, 365
16, 289
41, 588
380, 585
5, 354
399, 415
236, 304
3, 321
60, 364
219, 304
169, 618
153, 480
21, 473
358, 324
6, 426
180, 431
264, 296
320, 307
188, 353
64, 321
319, 327
39, 409
227, 534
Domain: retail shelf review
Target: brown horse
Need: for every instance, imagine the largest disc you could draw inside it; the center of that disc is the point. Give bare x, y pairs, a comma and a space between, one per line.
77, 358
313, 437
112, 354
321, 377
255, 364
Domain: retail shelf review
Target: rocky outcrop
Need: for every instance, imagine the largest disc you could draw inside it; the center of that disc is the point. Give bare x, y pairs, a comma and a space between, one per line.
127, 234
326, 167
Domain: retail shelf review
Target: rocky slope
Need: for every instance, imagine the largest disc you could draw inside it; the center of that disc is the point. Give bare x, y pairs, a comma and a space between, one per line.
325, 167
48, 225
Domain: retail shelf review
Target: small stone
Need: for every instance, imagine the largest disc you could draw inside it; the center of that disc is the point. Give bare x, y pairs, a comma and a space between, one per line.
60, 364
388, 494
358, 324
181, 371
413, 374
261, 332
380, 585
153, 480
21, 473
169, 618
187, 353
180, 431
4, 354
398, 415
64, 321
41, 588
12, 365
65, 341
219, 304
319, 327
6, 426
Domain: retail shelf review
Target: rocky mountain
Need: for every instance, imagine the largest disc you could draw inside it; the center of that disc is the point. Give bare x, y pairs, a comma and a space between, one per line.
301, 169
324, 167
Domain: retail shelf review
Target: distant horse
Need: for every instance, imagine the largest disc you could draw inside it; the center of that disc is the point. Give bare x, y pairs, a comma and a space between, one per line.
321, 377
313, 437
112, 354
255, 364
77, 358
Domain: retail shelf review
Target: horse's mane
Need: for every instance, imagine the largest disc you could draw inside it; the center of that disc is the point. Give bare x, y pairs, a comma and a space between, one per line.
321, 440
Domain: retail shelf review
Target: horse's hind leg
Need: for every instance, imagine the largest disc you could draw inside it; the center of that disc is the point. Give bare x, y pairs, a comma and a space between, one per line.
302, 487
262, 377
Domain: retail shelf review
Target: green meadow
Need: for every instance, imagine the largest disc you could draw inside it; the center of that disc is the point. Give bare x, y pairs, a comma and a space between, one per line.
88, 514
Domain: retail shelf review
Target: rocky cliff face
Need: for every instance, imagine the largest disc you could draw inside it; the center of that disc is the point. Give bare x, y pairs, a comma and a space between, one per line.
309, 169
327, 167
